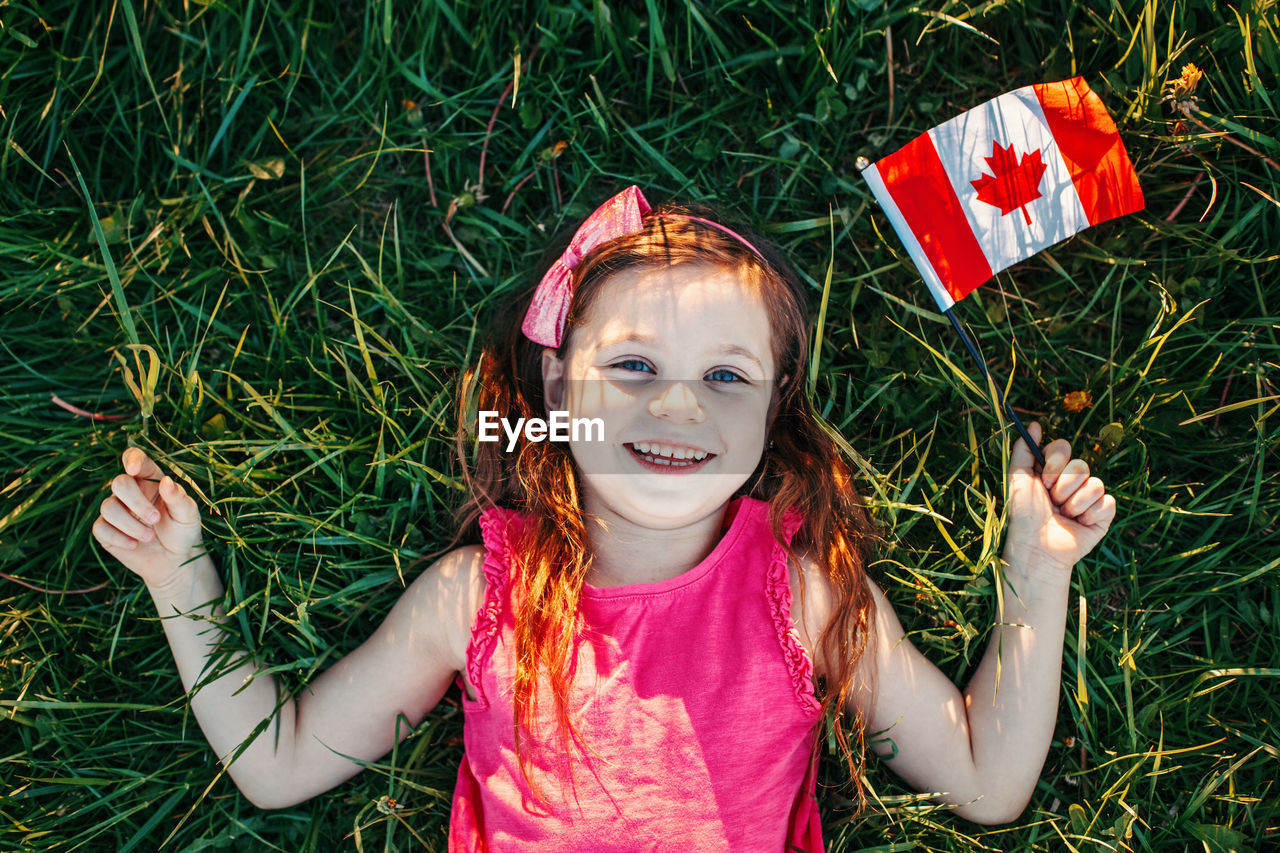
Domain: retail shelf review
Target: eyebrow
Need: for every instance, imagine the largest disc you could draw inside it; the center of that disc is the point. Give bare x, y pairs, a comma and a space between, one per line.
637, 338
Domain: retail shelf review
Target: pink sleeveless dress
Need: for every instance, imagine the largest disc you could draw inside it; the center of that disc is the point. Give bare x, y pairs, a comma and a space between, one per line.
693, 697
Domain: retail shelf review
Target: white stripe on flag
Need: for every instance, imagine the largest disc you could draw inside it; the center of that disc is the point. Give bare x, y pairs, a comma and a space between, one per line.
914, 251
965, 141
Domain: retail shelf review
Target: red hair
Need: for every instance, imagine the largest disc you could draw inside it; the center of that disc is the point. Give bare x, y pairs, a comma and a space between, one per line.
803, 467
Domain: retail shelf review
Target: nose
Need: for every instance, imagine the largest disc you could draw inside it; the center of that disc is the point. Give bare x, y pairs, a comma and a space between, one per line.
677, 402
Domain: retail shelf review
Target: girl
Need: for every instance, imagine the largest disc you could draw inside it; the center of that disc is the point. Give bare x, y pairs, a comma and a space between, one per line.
662, 607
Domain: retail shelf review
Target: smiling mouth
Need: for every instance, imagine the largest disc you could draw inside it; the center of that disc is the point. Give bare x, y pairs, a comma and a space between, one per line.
666, 458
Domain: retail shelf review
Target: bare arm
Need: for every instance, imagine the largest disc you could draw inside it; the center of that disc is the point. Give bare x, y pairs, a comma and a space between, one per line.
351, 709
1011, 720
982, 749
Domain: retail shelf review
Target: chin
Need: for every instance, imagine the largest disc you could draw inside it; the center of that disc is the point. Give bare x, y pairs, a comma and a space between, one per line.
659, 502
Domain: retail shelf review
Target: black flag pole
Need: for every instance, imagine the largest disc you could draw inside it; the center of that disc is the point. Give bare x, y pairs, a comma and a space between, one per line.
986, 374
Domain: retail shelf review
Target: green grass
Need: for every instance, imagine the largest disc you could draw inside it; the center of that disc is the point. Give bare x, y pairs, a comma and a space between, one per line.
266, 210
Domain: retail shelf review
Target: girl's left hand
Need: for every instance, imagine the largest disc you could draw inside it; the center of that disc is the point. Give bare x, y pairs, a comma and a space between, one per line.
1059, 516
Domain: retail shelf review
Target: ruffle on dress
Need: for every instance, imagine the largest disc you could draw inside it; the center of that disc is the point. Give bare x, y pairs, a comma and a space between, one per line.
497, 528
778, 589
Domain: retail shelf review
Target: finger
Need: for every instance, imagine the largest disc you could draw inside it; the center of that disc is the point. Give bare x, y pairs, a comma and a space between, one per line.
180, 506
1021, 457
1056, 456
129, 493
1101, 514
1084, 497
111, 538
119, 517
138, 464
1073, 476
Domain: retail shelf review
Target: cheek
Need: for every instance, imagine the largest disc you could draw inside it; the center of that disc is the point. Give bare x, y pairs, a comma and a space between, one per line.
748, 412
600, 398
743, 425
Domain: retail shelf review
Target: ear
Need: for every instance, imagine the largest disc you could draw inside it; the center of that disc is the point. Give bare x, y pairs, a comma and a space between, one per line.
552, 379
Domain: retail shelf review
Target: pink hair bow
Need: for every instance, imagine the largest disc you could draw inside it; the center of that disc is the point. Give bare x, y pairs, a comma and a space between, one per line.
617, 217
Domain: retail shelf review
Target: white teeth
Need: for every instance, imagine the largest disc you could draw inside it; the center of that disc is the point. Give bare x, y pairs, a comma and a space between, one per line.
668, 455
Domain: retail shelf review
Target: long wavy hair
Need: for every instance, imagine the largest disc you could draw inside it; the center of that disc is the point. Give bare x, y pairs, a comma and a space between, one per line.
802, 468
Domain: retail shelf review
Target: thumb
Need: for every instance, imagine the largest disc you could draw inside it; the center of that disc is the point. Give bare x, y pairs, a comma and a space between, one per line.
179, 505
1021, 458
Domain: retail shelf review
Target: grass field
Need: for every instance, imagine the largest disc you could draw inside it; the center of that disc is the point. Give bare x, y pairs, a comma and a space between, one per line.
256, 238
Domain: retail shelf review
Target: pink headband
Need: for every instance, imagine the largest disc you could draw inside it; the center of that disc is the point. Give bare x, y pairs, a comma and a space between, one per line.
619, 216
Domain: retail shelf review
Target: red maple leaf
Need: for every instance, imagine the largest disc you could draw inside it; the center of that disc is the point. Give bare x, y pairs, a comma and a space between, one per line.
1012, 184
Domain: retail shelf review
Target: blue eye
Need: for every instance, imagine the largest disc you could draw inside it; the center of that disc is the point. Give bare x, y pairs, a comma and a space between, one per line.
634, 365
724, 375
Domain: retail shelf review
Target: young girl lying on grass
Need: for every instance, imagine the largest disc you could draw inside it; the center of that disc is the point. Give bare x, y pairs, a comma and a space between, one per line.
655, 622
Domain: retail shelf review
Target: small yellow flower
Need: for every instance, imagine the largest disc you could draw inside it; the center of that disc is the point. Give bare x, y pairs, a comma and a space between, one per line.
387, 805
552, 152
1077, 401
1181, 90
1190, 77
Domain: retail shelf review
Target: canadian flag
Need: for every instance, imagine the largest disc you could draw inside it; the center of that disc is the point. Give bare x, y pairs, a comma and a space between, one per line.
1004, 180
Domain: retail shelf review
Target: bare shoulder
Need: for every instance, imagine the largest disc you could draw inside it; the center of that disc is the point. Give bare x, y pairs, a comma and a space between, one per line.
444, 597
813, 607
811, 601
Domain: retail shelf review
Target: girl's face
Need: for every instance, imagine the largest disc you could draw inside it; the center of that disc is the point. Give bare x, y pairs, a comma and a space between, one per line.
677, 362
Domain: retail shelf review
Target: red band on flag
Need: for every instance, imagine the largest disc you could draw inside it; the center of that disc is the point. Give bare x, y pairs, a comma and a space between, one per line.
1090, 146
914, 176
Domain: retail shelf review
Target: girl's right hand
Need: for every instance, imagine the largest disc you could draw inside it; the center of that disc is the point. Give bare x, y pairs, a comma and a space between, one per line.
149, 523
